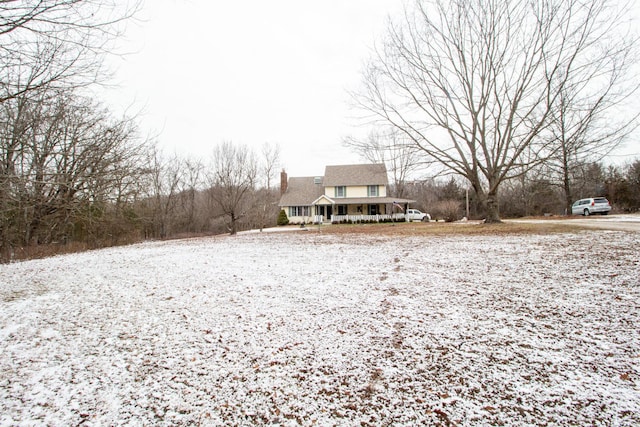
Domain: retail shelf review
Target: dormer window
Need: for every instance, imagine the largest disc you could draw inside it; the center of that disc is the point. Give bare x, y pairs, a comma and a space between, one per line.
341, 191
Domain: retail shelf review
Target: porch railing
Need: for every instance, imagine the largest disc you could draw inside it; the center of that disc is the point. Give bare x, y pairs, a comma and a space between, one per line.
338, 219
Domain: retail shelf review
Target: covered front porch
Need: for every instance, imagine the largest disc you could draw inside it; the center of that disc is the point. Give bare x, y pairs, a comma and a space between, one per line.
359, 210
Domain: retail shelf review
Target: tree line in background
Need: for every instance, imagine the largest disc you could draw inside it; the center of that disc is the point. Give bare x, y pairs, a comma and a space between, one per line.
88, 182
544, 190
530, 195
72, 174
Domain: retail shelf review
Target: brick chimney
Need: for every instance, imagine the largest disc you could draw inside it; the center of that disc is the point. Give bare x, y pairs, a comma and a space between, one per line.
283, 182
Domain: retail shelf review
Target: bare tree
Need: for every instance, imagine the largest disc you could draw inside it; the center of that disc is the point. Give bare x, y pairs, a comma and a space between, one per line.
266, 197
63, 158
390, 147
632, 176
233, 178
588, 123
474, 83
166, 175
57, 43
270, 163
192, 183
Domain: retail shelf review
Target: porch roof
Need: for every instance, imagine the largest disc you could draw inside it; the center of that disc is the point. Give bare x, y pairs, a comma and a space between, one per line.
369, 200
323, 200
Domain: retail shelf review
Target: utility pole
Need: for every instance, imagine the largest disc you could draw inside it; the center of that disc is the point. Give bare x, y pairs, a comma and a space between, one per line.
467, 202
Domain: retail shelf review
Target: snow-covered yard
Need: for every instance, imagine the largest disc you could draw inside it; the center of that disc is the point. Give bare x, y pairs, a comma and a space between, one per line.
315, 329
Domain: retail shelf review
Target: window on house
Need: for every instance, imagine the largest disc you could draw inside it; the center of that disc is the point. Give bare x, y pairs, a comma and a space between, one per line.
342, 209
372, 191
373, 210
341, 191
299, 211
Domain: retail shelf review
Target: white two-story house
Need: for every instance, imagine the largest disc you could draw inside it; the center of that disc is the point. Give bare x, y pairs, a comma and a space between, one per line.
345, 192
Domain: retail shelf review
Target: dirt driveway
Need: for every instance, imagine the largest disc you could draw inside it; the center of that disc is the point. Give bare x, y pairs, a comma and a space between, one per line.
628, 222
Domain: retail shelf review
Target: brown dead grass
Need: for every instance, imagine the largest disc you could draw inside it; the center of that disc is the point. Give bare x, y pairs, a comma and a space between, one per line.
381, 229
23, 253
449, 229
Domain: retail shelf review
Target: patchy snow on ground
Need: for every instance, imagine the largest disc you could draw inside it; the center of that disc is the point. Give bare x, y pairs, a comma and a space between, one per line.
315, 329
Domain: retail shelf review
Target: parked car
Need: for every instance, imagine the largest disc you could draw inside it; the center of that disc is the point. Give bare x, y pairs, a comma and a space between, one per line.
416, 215
591, 206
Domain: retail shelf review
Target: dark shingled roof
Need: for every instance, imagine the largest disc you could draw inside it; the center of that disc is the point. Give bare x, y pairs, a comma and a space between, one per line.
373, 174
302, 191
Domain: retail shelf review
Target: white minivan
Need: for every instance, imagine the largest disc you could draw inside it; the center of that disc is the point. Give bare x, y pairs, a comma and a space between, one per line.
591, 206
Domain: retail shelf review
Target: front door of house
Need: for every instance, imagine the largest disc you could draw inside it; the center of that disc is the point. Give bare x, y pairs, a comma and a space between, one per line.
324, 211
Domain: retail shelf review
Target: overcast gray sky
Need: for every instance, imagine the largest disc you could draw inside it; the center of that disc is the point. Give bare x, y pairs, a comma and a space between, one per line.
251, 71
